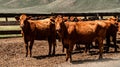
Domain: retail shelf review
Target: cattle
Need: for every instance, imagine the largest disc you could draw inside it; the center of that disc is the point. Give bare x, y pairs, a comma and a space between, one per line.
80, 33
111, 32
37, 30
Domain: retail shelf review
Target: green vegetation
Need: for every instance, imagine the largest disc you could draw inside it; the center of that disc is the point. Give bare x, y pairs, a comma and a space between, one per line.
48, 6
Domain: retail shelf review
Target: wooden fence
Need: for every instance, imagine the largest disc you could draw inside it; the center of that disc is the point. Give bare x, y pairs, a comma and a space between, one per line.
9, 33
10, 23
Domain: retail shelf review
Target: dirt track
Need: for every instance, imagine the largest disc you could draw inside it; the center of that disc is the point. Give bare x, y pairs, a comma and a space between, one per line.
12, 54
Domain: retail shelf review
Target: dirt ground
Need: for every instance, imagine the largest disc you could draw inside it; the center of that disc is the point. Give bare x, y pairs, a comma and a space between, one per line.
12, 54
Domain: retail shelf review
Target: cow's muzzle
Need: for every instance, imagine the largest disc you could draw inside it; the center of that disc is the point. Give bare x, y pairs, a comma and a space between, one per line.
58, 36
22, 25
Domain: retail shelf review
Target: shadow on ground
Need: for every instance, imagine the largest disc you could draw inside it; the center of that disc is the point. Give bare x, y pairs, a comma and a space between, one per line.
93, 60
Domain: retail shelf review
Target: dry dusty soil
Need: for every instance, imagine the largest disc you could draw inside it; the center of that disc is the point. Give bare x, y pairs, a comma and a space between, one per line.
12, 54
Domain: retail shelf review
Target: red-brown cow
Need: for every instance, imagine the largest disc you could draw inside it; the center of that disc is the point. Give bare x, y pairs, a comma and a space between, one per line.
111, 32
37, 30
81, 33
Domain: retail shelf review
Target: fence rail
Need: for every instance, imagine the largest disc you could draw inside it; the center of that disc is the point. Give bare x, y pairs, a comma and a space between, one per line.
8, 23
10, 32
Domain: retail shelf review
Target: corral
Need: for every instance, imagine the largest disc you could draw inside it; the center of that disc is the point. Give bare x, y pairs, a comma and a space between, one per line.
12, 50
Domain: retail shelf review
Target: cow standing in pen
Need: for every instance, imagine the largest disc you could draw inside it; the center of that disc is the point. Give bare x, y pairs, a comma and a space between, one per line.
111, 32
37, 30
81, 33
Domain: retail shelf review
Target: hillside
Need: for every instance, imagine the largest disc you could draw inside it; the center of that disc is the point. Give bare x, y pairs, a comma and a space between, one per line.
48, 6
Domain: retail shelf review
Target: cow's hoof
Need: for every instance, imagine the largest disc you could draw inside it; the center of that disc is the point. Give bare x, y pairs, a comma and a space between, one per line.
100, 58
66, 59
49, 54
53, 53
26, 55
115, 50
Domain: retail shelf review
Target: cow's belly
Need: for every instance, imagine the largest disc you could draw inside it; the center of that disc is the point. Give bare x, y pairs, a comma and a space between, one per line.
42, 36
85, 39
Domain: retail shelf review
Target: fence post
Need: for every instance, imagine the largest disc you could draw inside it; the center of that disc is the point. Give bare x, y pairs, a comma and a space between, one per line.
6, 19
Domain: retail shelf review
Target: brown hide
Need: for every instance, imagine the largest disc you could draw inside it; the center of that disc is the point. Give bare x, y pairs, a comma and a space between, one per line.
112, 29
85, 33
37, 30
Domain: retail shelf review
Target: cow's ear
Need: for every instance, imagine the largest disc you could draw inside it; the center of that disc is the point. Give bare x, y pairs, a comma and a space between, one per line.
113, 18
17, 18
29, 17
109, 19
60, 16
116, 19
52, 20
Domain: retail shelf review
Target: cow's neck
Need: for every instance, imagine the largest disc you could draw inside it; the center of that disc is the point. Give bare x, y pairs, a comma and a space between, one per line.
26, 29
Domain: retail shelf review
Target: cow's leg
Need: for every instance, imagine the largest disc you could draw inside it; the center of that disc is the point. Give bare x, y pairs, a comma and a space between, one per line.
87, 48
50, 46
107, 42
63, 46
101, 46
69, 52
54, 45
30, 47
85, 51
77, 47
63, 49
26, 47
114, 41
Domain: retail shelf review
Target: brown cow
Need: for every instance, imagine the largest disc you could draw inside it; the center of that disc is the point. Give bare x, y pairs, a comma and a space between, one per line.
37, 30
81, 33
111, 32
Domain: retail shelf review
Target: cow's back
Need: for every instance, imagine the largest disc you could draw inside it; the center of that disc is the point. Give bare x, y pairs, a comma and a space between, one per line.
82, 32
42, 29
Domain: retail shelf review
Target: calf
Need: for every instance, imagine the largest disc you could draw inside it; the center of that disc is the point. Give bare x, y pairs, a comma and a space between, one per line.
37, 30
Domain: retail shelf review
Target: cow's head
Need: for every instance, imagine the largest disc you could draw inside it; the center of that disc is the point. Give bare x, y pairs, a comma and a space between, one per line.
22, 19
114, 23
58, 20
72, 18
